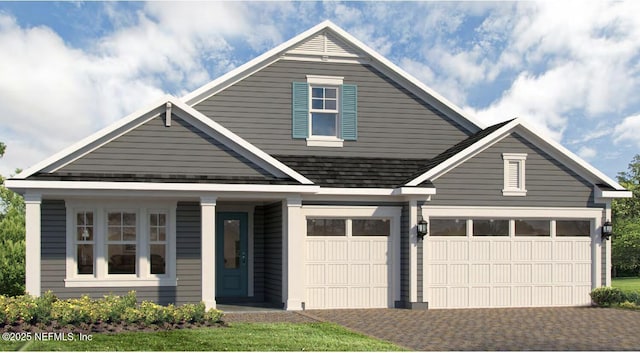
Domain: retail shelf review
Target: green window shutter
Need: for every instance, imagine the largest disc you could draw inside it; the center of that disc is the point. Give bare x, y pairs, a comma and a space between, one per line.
300, 122
349, 112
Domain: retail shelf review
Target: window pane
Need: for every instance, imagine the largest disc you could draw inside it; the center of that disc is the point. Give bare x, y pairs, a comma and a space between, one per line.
122, 259
129, 233
532, 228
114, 234
316, 104
85, 233
80, 219
317, 92
129, 219
326, 227
114, 218
162, 234
371, 227
158, 263
85, 259
232, 243
323, 124
330, 92
573, 228
490, 227
330, 104
448, 227
162, 219
153, 219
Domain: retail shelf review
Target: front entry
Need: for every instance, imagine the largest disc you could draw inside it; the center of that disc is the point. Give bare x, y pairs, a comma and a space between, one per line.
231, 254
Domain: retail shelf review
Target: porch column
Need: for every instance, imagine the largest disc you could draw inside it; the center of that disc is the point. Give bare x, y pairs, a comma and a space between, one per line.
293, 254
208, 248
33, 238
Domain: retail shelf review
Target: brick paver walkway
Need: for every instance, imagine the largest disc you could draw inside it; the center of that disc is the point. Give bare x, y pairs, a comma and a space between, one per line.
557, 329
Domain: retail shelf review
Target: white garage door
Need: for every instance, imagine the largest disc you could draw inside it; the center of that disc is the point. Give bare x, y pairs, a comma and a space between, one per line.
347, 269
507, 271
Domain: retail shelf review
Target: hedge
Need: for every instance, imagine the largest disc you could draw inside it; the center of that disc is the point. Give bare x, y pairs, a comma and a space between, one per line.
609, 296
109, 309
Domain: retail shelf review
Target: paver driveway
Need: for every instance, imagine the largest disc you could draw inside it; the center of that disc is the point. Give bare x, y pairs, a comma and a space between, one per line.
557, 329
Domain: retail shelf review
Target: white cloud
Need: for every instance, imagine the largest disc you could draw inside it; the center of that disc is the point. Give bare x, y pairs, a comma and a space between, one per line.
587, 153
628, 131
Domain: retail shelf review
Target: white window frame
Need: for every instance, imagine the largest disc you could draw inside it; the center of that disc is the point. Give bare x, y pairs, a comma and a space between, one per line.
325, 82
135, 242
101, 278
159, 242
520, 159
75, 242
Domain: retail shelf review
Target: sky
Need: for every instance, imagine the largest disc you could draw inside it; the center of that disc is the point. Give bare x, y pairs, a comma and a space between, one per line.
570, 68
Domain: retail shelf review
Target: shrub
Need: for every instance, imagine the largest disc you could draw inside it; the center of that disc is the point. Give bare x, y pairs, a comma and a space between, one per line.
629, 305
212, 316
607, 296
43, 307
632, 296
20, 308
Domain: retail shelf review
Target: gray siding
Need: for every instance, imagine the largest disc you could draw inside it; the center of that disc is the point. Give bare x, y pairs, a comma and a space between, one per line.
187, 254
480, 180
404, 254
258, 253
391, 121
273, 252
155, 149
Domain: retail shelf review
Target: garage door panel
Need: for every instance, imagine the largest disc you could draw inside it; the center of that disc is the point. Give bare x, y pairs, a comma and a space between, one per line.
501, 251
379, 297
458, 297
480, 251
361, 297
521, 273
480, 273
315, 297
521, 251
562, 295
458, 273
501, 296
542, 251
582, 250
437, 274
563, 272
542, 273
480, 297
581, 273
542, 295
360, 250
521, 296
500, 273
337, 274
438, 250
316, 274
359, 274
581, 295
316, 250
564, 251
379, 251
437, 297
458, 251
337, 250
379, 275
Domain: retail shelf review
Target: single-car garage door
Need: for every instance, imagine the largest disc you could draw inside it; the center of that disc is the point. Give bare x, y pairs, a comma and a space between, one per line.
507, 262
347, 263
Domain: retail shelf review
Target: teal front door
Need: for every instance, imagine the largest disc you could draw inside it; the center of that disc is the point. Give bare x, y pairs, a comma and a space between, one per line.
231, 254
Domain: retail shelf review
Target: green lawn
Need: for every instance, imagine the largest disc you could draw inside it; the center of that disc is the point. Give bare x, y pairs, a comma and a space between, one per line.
626, 283
237, 337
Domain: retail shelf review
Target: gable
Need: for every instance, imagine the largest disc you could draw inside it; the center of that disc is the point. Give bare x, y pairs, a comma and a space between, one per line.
153, 149
479, 180
391, 120
325, 43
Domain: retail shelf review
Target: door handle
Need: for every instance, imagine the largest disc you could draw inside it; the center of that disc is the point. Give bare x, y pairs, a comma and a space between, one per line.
243, 258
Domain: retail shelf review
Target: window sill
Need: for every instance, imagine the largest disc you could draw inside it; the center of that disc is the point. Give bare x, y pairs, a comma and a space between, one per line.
132, 282
325, 142
514, 192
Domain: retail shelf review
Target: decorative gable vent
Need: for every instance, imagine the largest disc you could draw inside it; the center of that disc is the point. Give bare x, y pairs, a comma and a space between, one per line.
325, 43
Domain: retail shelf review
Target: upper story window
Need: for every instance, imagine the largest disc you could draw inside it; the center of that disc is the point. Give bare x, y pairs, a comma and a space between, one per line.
324, 111
514, 174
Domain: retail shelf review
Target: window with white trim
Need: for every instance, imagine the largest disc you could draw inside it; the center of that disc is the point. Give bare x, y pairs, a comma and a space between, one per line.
158, 242
324, 112
121, 244
514, 174
84, 243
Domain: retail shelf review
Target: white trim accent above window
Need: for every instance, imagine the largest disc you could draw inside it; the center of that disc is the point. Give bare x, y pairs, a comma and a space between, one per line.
325, 80
514, 174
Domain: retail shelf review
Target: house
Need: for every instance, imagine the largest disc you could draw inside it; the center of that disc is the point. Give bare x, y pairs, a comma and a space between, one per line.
300, 179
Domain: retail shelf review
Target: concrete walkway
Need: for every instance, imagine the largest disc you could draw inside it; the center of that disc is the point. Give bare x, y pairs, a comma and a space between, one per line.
556, 329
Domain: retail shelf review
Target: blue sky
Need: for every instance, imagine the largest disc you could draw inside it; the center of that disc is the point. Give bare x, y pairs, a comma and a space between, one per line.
572, 69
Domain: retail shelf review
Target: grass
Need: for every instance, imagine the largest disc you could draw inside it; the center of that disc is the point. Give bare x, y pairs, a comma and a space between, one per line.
626, 283
236, 337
